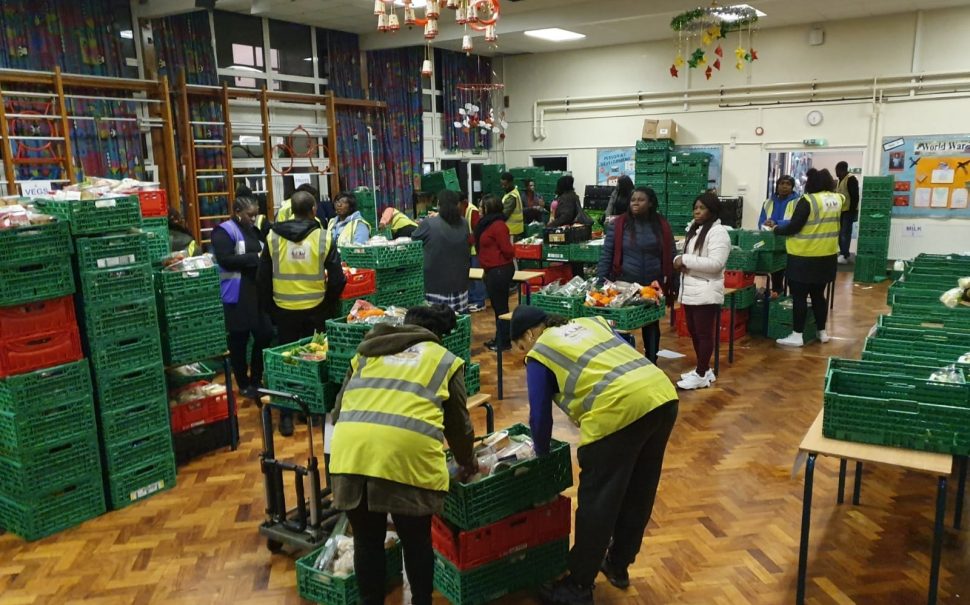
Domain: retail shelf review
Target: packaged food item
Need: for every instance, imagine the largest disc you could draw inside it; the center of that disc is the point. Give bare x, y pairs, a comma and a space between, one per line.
950, 375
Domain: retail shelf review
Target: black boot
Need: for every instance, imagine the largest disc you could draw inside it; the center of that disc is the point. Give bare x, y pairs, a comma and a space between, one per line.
617, 576
566, 592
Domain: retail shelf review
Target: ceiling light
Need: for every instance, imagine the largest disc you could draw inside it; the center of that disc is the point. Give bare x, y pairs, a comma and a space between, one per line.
734, 16
554, 34
246, 68
127, 34
308, 58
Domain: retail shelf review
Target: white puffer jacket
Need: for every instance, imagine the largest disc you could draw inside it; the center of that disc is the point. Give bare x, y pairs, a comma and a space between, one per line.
703, 281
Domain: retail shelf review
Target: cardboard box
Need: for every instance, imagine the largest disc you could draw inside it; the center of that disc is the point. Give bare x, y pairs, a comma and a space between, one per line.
659, 129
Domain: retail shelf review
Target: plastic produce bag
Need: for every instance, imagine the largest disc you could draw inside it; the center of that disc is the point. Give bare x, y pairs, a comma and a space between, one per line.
950, 375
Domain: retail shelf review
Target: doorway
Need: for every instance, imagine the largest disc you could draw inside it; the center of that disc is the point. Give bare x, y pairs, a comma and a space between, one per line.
469, 175
797, 163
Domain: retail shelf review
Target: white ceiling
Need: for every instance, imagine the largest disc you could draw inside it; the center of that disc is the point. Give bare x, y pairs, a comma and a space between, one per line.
605, 22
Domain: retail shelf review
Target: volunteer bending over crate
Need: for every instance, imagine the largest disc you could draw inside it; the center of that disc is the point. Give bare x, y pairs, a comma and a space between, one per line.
625, 408
403, 395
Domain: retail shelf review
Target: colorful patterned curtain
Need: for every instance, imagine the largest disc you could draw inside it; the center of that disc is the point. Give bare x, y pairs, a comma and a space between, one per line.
185, 42
343, 56
459, 68
81, 36
395, 78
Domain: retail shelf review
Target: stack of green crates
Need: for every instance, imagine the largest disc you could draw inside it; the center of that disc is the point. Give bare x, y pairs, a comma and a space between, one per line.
686, 179
768, 248
399, 271
650, 165
50, 463
158, 244
367, 206
780, 320
492, 179
433, 182
122, 339
546, 182
191, 314
875, 214
526, 173
306, 378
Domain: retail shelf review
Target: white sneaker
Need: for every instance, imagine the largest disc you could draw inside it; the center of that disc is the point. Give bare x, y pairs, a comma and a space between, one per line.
843, 260
710, 376
694, 381
823, 336
792, 340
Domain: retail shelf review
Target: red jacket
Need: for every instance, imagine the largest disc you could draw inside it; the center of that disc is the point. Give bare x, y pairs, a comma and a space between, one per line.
495, 248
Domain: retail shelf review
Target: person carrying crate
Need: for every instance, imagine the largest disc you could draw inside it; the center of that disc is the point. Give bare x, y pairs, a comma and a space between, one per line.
625, 408
300, 278
404, 394
400, 224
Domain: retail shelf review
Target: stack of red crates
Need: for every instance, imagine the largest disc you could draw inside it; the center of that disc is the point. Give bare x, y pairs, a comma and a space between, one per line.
740, 324
560, 272
37, 335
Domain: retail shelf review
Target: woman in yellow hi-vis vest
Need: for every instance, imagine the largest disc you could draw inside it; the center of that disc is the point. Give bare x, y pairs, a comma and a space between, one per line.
625, 408
348, 227
403, 396
813, 247
400, 224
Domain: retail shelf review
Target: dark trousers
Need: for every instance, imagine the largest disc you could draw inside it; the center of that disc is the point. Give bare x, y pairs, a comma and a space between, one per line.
294, 325
369, 564
778, 282
618, 481
799, 294
651, 341
845, 233
497, 284
701, 321
249, 372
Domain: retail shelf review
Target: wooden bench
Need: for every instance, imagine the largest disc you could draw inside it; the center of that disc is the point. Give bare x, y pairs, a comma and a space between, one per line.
481, 400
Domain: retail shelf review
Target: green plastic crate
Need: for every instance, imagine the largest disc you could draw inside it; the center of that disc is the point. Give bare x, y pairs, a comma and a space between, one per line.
70, 447
36, 280
93, 217
384, 257
47, 421
124, 353
325, 588
159, 246
666, 145
339, 365
118, 319
459, 340
628, 318
556, 252
128, 454
278, 363
24, 245
870, 269
473, 378
585, 252
343, 336
194, 337
70, 503
872, 247
741, 260
115, 286
399, 278
186, 292
116, 390
122, 424
770, 261
205, 372
407, 297
141, 481
34, 391
942, 261
112, 251
938, 313
954, 324
743, 298
521, 486
757, 240
491, 581
433, 182
346, 304
23, 482
320, 397
569, 307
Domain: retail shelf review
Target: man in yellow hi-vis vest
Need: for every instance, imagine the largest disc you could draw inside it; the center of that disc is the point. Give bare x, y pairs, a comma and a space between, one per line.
625, 408
512, 206
403, 396
300, 278
813, 247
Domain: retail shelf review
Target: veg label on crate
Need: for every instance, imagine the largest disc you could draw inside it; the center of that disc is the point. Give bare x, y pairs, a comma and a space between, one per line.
147, 490
35, 188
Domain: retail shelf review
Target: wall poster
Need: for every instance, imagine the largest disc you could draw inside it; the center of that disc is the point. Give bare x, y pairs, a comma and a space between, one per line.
932, 174
615, 162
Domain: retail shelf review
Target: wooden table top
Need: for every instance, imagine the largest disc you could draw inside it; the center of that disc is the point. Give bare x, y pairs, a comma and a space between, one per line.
924, 462
478, 273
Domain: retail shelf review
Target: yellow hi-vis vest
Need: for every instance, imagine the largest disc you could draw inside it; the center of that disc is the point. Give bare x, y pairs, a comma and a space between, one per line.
391, 422
515, 221
469, 212
820, 235
346, 237
285, 213
604, 383
399, 221
299, 274
769, 207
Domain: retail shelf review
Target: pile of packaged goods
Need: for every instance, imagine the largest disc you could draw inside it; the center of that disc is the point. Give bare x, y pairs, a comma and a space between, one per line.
951, 374
496, 453
365, 312
315, 350
955, 297
93, 187
194, 392
17, 212
604, 293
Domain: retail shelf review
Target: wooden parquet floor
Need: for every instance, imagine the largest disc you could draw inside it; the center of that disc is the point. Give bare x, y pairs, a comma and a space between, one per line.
724, 531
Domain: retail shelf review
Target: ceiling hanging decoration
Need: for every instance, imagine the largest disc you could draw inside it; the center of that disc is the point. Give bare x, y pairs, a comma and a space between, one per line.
476, 110
473, 15
700, 32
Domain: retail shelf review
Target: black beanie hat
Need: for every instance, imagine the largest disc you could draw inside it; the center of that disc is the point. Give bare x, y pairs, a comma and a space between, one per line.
525, 317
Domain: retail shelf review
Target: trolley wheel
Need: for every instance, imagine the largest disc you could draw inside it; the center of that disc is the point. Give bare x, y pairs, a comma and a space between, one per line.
274, 546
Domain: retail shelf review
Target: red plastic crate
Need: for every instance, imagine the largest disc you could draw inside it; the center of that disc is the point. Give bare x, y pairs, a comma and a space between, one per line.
199, 412
740, 326
528, 251
37, 317
562, 272
738, 279
36, 351
740, 317
535, 527
360, 283
153, 203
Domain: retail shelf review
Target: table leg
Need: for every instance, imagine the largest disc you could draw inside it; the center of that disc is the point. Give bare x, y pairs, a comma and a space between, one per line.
673, 315
961, 490
857, 489
528, 293
731, 328
806, 526
503, 326
831, 292
767, 306
717, 343
843, 465
231, 402
489, 417
937, 540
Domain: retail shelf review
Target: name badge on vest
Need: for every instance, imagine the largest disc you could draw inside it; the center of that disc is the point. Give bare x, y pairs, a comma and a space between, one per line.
241, 247
574, 332
298, 253
408, 357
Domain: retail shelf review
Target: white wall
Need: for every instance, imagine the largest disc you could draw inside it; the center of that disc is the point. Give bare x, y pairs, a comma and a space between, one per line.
867, 49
